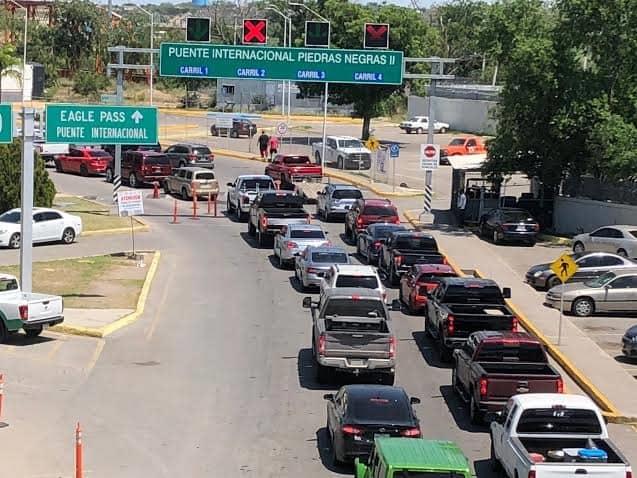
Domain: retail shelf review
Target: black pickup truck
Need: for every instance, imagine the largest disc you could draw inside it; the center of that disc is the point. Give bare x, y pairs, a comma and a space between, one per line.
273, 210
403, 249
491, 367
462, 305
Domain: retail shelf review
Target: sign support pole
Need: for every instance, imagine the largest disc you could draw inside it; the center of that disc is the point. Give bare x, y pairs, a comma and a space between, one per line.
393, 180
325, 95
119, 92
26, 201
559, 330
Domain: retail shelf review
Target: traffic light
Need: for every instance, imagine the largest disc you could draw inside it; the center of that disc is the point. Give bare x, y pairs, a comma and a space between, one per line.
255, 31
317, 34
198, 29
376, 35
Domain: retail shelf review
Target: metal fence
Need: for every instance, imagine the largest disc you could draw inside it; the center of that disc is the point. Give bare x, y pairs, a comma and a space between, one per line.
624, 192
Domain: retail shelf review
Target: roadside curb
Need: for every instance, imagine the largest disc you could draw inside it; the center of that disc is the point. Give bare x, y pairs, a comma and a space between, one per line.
101, 332
329, 174
563, 241
609, 410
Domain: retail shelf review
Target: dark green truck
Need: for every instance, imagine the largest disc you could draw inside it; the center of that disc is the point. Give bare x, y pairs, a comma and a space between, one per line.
414, 458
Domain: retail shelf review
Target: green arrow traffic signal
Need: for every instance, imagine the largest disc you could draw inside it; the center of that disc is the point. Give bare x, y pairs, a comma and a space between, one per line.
198, 29
317, 34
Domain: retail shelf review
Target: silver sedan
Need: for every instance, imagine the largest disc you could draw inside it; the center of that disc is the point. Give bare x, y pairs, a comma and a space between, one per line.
611, 292
314, 262
294, 238
618, 239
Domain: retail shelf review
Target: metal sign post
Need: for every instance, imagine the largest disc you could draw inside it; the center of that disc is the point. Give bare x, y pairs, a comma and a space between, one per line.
26, 201
564, 268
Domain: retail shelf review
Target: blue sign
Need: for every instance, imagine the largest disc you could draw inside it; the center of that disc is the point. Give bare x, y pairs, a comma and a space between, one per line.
394, 150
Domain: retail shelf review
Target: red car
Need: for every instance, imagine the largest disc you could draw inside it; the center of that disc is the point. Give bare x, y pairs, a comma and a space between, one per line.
420, 279
368, 211
85, 161
288, 168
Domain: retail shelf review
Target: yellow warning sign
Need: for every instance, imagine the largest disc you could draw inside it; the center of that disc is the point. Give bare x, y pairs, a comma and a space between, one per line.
372, 144
564, 267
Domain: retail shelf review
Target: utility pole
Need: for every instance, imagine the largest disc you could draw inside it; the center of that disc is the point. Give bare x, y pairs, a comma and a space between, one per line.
26, 201
119, 93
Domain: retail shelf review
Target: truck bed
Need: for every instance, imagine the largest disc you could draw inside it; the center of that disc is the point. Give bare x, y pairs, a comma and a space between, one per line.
544, 445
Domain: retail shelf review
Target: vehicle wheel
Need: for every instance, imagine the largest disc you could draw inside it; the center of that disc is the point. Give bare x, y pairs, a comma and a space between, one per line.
184, 193
531, 243
58, 166
317, 157
260, 239
3, 333
583, 307
251, 230
475, 415
333, 454
578, 247
553, 281
420, 131
393, 277
454, 382
322, 373
14, 241
443, 352
166, 188
410, 308
387, 378
281, 262
34, 332
495, 463
238, 213
108, 175
228, 205
327, 217
443, 130
132, 180
408, 131
483, 229
234, 134
339, 162
369, 254
622, 252
68, 236
83, 171
496, 239
213, 131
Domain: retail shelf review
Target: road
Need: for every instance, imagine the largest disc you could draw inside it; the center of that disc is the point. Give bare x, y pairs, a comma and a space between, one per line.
214, 380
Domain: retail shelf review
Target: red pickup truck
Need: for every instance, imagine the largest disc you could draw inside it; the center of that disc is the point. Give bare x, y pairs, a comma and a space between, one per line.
493, 366
290, 168
420, 280
462, 145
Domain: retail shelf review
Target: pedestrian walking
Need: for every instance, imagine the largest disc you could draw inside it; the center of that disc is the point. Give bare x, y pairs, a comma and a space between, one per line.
461, 205
274, 146
263, 141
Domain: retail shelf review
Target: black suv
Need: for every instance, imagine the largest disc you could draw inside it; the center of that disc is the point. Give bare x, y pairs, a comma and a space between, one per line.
239, 127
190, 154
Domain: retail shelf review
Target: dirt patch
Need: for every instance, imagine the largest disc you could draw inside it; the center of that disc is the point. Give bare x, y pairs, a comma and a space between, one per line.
100, 282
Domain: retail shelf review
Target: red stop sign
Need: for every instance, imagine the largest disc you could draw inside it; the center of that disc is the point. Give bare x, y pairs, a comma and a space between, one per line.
429, 151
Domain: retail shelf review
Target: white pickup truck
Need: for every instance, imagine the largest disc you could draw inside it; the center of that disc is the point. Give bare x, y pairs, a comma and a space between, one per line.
244, 190
551, 435
420, 124
49, 151
28, 311
344, 152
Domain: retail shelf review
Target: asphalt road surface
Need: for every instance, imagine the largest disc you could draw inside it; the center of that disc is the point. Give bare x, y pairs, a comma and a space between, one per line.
215, 379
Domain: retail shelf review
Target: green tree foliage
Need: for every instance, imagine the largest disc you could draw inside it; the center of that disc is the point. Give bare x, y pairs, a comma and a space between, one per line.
8, 60
10, 160
90, 84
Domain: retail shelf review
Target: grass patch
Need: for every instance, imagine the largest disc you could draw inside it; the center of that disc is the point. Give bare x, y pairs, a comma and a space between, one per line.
95, 217
100, 282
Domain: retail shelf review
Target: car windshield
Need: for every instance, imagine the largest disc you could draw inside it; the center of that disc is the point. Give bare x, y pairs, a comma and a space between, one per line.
205, 176
416, 119
11, 216
378, 409
558, 420
434, 278
379, 211
416, 243
8, 284
601, 281
149, 147
517, 216
98, 153
254, 184
366, 282
329, 257
350, 143
384, 232
347, 307
157, 160
426, 474
296, 159
457, 142
511, 351
307, 234
281, 200
201, 150
347, 194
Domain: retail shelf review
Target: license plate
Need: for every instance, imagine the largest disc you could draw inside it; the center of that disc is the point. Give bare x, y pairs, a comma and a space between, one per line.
521, 228
357, 362
381, 435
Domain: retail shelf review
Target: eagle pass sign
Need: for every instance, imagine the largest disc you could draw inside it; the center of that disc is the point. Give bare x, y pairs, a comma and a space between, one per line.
273, 63
429, 156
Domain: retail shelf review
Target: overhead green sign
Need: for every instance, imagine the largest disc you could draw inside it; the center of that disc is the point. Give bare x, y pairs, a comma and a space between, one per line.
295, 64
6, 124
100, 124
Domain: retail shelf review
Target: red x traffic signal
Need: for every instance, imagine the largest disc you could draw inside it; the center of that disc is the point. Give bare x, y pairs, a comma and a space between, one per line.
376, 35
255, 31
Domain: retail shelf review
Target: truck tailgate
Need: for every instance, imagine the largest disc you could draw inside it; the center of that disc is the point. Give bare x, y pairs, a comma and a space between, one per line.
410, 258
357, 345
570, 470
43, 307
503, 387
468, 318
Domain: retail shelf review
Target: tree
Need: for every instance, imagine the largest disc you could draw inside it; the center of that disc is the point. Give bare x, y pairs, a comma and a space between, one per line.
10, 161
8, 61
90, 84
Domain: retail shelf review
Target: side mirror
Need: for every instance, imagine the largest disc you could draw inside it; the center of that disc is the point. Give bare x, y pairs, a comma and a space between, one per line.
414, 400
361, 468
506, 292
396, 305
230, 185
329, 396
307, 302
497, 417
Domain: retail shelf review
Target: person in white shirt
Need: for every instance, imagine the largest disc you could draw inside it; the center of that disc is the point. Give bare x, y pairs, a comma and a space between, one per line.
461, 206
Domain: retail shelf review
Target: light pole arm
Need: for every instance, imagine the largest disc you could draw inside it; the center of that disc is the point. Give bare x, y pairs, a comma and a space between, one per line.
316, 14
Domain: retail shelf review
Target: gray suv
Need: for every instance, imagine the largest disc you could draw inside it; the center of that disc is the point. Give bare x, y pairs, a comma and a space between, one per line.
190, 154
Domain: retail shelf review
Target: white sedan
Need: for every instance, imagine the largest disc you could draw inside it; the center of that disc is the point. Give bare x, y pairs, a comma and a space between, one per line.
49, 225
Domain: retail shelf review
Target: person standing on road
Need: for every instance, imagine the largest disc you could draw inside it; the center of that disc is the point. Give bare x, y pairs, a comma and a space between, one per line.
263, 141
274, 146
461, 205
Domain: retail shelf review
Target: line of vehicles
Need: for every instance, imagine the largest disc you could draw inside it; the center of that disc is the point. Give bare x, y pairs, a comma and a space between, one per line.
501, 373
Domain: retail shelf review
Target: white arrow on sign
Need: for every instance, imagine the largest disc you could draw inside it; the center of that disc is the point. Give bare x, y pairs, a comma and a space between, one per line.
137, 117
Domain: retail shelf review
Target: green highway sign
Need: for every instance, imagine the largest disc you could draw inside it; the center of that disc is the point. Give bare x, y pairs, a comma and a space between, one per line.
272, 63
100, 124
6, 124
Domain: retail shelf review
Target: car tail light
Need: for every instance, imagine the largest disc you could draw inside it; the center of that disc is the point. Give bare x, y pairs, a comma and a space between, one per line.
24, 311
392, 347
350, 430
192, 158
321, 344
560, 385
245, 200
396, 220
629, 474
398, 260
531, 474
411, 432
359, 222
264, 222
514, 324
484, 385
312, 270
451, 324
291, 245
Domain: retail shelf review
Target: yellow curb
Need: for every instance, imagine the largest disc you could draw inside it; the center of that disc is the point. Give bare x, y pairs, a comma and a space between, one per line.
101, 332
555, 239
578, 377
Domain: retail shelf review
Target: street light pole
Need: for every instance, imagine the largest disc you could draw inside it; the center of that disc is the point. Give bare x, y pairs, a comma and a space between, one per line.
152, 45
24, 48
